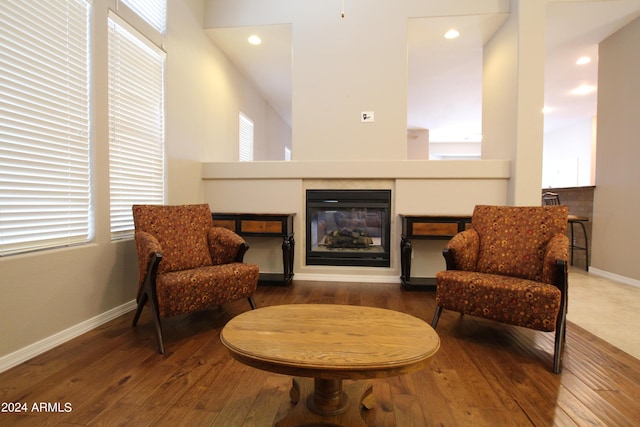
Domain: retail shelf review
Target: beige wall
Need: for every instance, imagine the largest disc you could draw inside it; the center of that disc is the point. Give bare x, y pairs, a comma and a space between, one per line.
617, 193
513, 96
342, 67
43, 294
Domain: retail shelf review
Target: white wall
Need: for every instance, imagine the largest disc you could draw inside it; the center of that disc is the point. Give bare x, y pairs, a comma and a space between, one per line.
205, 94
455, 150
278, 136
332, 85
566, 157
344, 66
418, 144
513, 96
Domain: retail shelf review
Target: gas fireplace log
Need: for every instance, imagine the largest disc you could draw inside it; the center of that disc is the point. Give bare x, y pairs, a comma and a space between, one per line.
348, 238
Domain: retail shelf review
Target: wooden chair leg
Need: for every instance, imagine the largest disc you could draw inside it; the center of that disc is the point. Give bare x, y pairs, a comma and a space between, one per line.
436, 316
560, 338
156, 323
252, 303
156, 318
158, 327
557, 355
149, 295
141, 302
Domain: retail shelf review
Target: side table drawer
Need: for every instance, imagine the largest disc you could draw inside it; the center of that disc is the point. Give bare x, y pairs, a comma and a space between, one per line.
434, 228
256, 226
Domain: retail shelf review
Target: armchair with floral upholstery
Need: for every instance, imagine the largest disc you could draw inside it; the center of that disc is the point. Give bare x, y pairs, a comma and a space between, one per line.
186, 264
510, 267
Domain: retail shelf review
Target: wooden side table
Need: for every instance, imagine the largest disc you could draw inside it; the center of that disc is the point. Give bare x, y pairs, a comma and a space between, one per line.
264, 225
426, 227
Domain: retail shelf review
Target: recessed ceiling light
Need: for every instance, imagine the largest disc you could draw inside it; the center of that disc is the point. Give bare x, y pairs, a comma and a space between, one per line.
583, 60
583, 90
451, 34
255, 40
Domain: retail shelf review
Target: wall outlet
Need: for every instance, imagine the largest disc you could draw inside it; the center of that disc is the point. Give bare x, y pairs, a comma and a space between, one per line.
367, 117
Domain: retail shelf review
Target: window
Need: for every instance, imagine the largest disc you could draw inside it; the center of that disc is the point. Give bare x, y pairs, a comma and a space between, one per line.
136, 124
44, 125
246, 138
152, 11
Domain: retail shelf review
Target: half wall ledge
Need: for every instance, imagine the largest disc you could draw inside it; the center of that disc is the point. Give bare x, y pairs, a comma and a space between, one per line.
407, 169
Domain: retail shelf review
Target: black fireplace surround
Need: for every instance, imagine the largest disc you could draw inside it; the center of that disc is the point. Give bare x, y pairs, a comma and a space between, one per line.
348, 227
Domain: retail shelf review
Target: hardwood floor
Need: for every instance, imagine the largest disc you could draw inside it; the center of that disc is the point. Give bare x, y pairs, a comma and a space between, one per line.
485, 373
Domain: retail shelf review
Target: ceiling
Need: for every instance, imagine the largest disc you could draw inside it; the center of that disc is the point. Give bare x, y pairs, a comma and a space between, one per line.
574, 30
445, 95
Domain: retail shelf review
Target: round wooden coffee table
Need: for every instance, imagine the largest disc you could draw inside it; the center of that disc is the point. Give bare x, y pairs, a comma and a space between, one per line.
330, 343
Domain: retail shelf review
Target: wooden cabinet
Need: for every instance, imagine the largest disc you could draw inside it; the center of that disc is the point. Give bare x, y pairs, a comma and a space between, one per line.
426, 227
264, 225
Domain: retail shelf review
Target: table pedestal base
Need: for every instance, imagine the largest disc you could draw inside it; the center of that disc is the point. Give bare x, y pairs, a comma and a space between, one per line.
326, 403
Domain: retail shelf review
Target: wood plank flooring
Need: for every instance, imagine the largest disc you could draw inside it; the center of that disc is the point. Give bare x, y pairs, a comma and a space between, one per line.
485, 373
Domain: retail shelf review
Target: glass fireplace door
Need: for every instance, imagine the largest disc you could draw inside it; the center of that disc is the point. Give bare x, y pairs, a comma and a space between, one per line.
348, 227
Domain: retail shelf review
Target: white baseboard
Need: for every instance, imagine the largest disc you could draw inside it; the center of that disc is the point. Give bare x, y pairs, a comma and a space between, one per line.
615, 277
346, 278
37, 348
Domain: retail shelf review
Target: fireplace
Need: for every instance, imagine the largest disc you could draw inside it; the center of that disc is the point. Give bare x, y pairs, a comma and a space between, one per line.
348, 227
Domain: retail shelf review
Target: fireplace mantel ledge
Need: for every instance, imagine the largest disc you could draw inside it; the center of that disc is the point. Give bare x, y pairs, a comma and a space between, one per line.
408, 169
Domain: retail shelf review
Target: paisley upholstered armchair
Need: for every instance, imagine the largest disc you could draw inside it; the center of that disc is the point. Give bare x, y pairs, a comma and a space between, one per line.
186, 264
511, 267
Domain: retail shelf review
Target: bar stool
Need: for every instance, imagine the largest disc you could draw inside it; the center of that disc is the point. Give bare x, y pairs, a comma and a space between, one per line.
550, 199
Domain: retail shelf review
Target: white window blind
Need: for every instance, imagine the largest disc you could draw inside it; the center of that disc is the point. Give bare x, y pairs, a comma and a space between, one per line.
44, 125
246, 139
136, 124
152, 11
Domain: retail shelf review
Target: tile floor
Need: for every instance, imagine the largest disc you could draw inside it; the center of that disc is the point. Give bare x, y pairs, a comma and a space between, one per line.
607, 309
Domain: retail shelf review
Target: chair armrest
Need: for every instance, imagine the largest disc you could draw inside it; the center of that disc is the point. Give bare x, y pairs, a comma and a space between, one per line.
225, 246
556, 257
461, 253
149, 253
